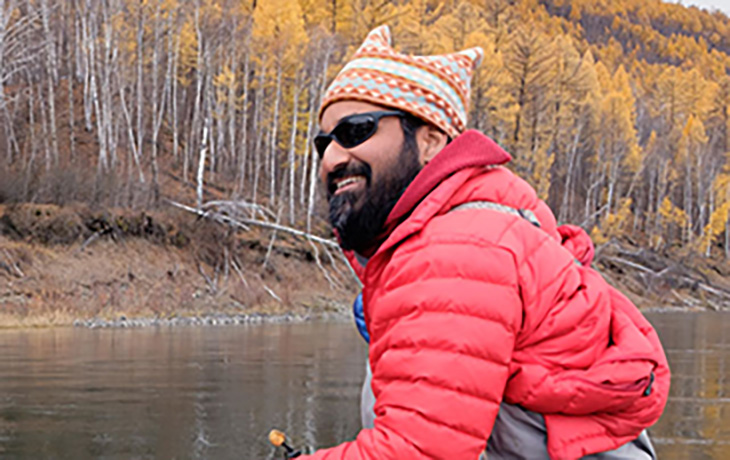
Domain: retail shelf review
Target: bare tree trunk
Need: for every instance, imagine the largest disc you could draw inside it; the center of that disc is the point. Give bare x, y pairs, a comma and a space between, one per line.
710, 237
273, 147
198, 92
158, 107
292, 149
243, 155
213, 119
727, 239
314, 157
13, 150
44, 129
688, 197
33, 142
130, 133
310, 133
78, 41
52, 78
94, 95
661, 193
613, 176
13, 38
71, 118
565, 204
209, 114
31, 133
110, 61
258, 132
653, 179
175, 123
140, 79
201, 165
232, 113
87, 45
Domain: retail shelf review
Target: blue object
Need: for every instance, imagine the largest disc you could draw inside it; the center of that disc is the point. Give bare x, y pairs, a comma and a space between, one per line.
357, 309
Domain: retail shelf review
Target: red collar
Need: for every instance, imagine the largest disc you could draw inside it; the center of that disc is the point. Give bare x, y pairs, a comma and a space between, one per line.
470, 149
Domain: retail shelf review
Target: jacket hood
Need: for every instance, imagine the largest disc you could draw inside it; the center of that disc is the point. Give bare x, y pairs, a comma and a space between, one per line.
577, 241
470, 149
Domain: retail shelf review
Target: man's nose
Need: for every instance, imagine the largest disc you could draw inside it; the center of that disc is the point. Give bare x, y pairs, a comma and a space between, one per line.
334, 156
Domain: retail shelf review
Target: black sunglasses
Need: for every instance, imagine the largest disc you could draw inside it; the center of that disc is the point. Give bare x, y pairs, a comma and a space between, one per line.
353, 130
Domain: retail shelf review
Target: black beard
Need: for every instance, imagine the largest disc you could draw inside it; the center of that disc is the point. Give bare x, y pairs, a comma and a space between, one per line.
359, 217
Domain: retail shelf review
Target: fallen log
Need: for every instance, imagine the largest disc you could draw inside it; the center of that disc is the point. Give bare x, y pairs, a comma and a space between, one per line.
246, 224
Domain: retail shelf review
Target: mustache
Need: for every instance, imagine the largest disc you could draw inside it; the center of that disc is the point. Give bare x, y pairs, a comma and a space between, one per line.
350, 169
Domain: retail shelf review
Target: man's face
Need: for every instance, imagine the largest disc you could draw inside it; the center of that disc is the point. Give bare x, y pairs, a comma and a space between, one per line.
364, 182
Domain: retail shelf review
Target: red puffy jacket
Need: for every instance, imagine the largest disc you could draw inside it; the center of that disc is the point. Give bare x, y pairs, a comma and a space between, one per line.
469, 308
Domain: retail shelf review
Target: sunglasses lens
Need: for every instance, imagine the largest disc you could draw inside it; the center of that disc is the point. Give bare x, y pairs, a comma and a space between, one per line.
355, 131
321, 142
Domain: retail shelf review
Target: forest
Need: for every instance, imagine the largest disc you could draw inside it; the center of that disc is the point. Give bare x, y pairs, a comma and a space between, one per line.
616, 111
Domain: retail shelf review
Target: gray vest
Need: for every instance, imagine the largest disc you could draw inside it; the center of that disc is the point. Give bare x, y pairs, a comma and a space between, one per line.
520, 434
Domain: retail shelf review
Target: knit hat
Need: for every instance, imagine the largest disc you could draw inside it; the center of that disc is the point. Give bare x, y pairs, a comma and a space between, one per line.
433, 88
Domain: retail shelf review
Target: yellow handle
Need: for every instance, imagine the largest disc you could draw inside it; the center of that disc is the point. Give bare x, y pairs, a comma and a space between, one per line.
277, 438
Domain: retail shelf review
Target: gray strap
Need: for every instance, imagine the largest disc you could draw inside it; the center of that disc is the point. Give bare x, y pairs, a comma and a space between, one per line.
524, 213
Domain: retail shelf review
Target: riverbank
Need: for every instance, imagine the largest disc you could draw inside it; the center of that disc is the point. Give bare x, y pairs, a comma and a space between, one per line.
66, 265
214, 319
61, 266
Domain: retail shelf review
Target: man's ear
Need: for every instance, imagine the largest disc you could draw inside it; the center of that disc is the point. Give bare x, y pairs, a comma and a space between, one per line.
431, 140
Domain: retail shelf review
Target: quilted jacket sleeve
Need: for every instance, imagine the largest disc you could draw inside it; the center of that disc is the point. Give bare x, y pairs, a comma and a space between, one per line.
443, 322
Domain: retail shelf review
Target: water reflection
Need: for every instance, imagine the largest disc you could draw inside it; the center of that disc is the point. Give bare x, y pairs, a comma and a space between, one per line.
696, 422
176, 393
213, 393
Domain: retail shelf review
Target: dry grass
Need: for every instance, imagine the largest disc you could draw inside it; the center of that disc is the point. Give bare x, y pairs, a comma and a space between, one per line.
142, 274
52, 318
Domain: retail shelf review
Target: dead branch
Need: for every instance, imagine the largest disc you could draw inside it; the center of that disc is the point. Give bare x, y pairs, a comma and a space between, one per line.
271, 293
212, 215
13, 264
714, 306
272, 241
245, 224
333, 283
239, 205
226, 265
704, 286
299, 233
634, 265
91, 239
237, 269
708, 288
333, 263
208, 281
687, 302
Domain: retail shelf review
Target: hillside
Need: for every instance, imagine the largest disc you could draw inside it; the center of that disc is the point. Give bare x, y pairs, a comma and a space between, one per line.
62, 264
617, 111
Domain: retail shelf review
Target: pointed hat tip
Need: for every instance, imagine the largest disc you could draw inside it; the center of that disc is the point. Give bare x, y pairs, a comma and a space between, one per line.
476, 55
381, 34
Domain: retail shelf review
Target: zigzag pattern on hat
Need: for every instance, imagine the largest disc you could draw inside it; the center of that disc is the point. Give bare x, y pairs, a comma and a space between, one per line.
434, 88
398, 93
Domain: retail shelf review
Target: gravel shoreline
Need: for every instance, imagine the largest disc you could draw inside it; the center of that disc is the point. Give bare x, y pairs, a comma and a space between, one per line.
207, 320
217, 319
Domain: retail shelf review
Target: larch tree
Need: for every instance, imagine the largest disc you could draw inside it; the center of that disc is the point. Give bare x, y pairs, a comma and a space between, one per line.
530, 62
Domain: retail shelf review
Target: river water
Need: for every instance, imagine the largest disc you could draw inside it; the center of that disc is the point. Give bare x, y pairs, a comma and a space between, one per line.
214, 392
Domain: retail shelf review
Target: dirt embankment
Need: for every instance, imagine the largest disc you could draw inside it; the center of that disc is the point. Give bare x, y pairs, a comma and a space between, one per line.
676, 278
59, 264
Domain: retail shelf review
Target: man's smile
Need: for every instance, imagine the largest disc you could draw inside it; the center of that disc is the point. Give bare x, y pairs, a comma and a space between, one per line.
348, 183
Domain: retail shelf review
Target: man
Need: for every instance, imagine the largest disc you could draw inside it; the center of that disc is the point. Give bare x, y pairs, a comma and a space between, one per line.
488, 328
